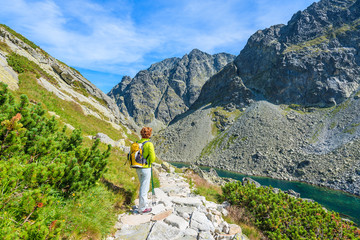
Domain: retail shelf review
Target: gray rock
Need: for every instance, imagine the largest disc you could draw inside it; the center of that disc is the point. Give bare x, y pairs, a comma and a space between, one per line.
176, 221
191, 232
205, 236
247, 180
186, 237
292, 193
201, 222
134, 232
163, 231
189, 202
158, 209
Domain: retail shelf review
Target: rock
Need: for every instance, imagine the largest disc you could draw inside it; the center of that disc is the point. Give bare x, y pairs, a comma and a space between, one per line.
235, 229
8, 75
224, 227
191, 232
185, 212
107, 140
166, 166
160, 194
205, 236
158, 208
120, 143
134, 232
135, 219
163, 231
186, 237
292, 193
190, 201
201, 222
176, 221
104, 138
276, 190
118, 225
247, 180
69, 126
53, 114
187, 220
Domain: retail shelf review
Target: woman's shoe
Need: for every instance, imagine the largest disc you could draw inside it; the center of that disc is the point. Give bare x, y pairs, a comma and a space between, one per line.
146, 210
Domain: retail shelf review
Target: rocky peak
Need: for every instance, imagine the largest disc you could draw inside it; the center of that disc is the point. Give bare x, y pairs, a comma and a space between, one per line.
319, 18
312, 61
156, 95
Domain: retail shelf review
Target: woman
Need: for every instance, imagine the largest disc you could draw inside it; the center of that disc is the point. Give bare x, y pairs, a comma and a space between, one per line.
144, 173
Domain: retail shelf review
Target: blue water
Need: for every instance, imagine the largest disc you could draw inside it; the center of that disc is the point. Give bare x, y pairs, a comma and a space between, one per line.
346, 204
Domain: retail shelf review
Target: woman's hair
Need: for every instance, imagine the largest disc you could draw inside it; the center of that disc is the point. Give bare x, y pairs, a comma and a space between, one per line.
146, 132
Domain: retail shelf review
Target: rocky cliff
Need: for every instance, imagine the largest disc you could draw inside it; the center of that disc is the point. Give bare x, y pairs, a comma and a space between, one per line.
168, 88
287, 107
65, 82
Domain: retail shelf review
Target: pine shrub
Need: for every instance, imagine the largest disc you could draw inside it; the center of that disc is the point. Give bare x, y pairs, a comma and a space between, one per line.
281, 216
39, 165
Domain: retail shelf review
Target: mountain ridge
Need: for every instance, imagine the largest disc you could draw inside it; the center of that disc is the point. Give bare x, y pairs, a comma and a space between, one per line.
167, 88
285, 108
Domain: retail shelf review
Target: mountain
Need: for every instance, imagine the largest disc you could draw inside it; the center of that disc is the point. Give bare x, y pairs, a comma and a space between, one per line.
287, 107
168, 88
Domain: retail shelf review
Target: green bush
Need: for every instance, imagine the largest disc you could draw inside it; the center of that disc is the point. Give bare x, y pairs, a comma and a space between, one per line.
283, 217
39, 165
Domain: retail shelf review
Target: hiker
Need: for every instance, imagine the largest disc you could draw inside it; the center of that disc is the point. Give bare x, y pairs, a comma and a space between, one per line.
144, 173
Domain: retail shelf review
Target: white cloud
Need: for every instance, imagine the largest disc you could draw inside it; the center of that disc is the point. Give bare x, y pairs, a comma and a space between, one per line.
108, 40
115, 36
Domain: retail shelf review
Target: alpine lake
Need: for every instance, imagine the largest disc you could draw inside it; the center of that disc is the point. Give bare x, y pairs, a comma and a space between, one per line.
347, 205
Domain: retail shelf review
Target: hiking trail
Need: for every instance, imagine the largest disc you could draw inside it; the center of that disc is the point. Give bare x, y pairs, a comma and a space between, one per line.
177, 214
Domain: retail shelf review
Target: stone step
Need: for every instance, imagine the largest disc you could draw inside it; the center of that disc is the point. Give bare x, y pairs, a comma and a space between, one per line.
177, 214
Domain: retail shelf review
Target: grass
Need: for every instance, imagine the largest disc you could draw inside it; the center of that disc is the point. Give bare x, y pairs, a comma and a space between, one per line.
307, 44
21, 64
232, 139
4, 47
69, 112
202, 187
221, 115
209, 148
77, 86
241, 217
90, 215
339, 107
333, 125
329, 34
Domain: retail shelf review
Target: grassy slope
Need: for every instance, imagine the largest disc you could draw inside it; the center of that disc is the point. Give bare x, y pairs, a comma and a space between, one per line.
90, 214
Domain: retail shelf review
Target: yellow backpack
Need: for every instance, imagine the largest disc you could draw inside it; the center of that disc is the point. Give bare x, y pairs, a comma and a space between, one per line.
135, 155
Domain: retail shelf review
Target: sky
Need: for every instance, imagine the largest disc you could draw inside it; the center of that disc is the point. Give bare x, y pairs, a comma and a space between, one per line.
108, 39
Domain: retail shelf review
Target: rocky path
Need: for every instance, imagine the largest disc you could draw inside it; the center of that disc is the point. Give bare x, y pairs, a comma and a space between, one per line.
177, 214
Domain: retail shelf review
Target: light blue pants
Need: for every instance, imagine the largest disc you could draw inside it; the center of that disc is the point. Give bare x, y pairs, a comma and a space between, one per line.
144, 175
